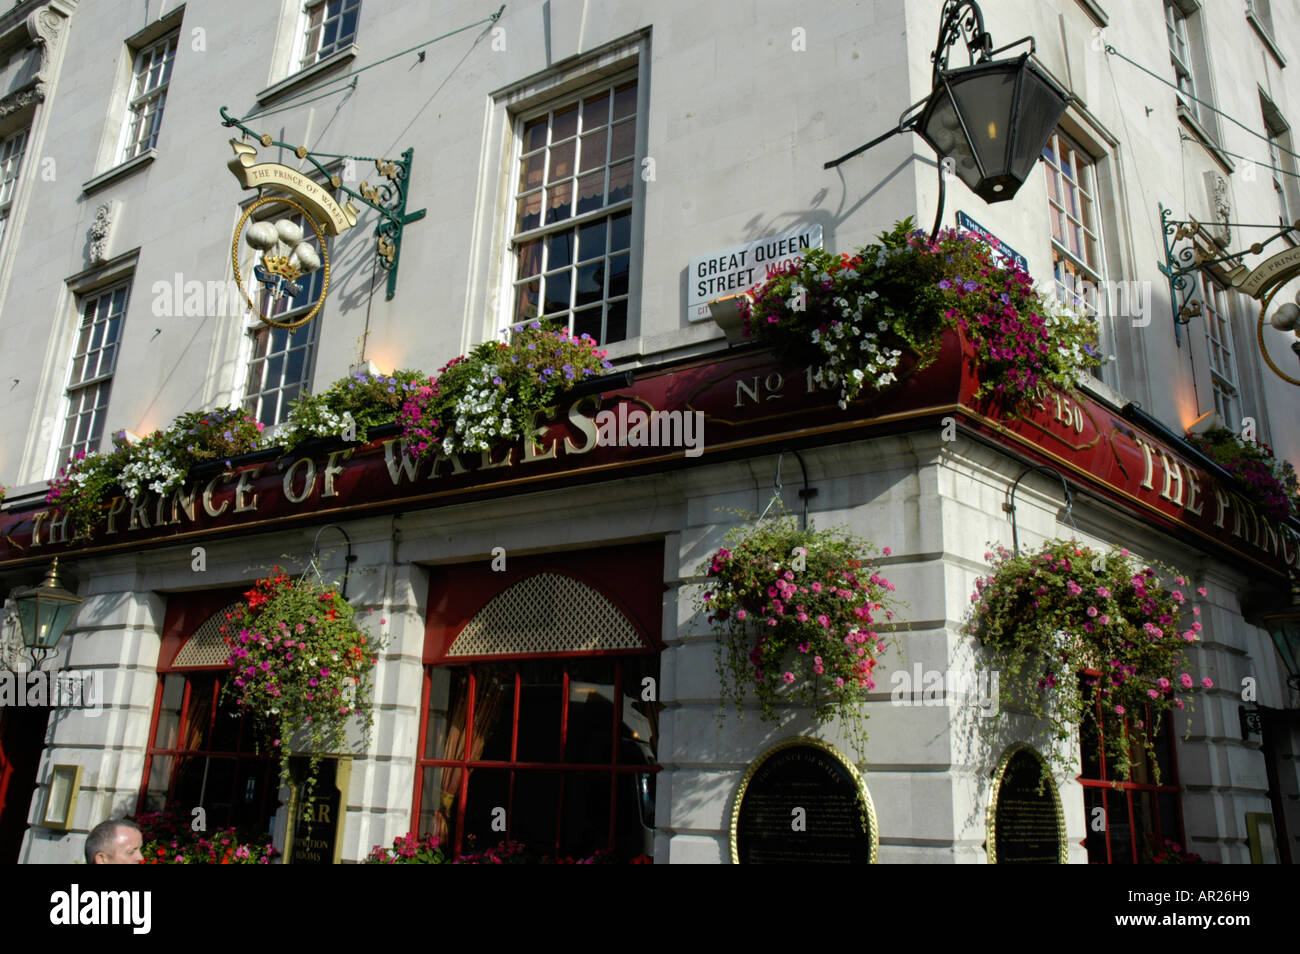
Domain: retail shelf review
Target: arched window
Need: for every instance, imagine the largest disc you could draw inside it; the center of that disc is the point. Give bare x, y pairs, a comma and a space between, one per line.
202, 751
541, 725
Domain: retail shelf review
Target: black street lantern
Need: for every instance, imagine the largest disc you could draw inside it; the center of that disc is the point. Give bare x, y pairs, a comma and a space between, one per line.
44, 611
990, 118
993, 120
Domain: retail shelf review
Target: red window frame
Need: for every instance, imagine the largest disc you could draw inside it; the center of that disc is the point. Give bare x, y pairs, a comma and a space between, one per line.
185, 614
630, 576
1099, 791
614, 768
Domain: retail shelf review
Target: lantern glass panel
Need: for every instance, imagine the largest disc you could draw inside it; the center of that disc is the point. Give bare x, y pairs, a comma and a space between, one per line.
1040, 107
985, 101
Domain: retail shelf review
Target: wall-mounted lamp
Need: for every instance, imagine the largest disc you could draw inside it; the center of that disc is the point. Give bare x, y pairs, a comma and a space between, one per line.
991, 118
44, 612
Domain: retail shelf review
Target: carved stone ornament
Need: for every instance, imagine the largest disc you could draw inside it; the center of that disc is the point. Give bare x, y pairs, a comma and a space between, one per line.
100, 232
1220, 209
22, 99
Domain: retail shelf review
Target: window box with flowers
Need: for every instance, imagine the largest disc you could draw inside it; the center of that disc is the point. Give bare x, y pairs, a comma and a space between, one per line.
1268, 482
796, 613
1047, 616
866, 319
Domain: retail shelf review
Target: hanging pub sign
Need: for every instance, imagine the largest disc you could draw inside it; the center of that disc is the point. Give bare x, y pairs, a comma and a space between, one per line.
315, 832
1025, 822
280, 239
741, 267
803, 802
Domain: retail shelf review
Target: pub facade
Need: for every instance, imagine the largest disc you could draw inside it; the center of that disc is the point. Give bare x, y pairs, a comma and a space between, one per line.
546, 675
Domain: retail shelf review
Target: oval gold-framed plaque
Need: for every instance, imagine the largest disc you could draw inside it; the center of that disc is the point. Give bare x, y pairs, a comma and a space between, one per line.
280, 258
802, 801
1025, 824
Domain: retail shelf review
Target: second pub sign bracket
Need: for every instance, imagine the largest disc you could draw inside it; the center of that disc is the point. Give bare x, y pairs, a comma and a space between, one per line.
387, 197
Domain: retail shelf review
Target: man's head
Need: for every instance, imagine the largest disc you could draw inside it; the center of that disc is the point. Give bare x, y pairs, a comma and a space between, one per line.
114, 842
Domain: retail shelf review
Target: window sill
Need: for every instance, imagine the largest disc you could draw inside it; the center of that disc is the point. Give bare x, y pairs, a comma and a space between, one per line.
119, 171
303, 76
1201, 135
1267, 38
1095, 11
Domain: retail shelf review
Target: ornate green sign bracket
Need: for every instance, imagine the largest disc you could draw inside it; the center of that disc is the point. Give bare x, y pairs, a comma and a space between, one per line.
1179, 263
387, 196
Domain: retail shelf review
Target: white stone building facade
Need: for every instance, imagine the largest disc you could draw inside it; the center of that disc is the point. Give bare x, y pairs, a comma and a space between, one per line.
115, 202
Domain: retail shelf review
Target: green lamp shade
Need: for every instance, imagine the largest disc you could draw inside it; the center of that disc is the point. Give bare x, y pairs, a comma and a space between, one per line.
45, 610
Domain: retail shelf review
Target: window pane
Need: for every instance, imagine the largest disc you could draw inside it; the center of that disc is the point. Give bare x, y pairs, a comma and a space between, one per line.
625, 100
530, 174
557, 292
559, 202
540, 701
592, 713
559, 249
530, 259
535, 810
591, 192
565, 123
624, 141
590, 283
620, 182
616, 321
620, 231
561, 162
595, 111
591, 241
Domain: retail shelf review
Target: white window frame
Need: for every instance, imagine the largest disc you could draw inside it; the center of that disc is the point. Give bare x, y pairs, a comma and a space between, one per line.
78, 382
1216, 307
1180, 56
1078, 178
307, 53
606, 212
1283, 168
12, 151
150, 101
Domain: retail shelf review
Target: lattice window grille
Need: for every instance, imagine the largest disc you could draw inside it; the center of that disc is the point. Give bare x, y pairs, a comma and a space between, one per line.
207, 646
544, 614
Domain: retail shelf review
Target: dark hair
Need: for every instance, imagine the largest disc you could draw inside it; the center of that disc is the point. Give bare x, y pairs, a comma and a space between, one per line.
103, 835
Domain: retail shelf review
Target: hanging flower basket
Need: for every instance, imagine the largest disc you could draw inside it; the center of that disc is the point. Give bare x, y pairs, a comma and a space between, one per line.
796, 614
300, 663
1050, 615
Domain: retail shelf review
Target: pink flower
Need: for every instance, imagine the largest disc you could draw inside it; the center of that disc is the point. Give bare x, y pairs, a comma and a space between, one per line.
1208, 683
1153, 694
1119, 710
1092, 611
1186, 680
741, 614
887, 552
788, 677
1178, 703
1103, 592
1163, 683
824, 620
1074, 588
839, 682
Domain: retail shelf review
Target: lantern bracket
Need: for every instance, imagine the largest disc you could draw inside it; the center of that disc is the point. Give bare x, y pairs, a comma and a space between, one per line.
388, 198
